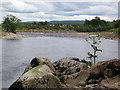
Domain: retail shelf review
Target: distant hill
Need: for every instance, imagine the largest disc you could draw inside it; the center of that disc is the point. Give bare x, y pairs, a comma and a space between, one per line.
55, 22
68, 22
28, 22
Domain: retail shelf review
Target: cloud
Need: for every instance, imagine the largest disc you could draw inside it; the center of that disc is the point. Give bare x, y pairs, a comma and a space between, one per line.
33, 10
93, 9
19, 7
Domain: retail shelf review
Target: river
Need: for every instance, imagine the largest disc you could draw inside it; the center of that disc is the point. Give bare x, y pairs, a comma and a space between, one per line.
17, 53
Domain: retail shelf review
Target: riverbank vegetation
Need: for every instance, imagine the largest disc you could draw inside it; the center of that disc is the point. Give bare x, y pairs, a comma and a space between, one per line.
105, 28
10, 23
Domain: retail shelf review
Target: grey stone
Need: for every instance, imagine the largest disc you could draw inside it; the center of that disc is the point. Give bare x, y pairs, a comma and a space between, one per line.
69, 65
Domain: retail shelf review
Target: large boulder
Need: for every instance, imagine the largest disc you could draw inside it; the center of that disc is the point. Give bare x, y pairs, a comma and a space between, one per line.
105, 74
112, 68
69, 65
105, 69
40, 76
40, 61
40, 73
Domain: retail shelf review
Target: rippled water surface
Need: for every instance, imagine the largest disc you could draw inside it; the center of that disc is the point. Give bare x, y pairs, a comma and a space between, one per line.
17, 53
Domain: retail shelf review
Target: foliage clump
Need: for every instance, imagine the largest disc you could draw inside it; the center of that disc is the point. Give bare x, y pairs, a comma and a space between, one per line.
10, 23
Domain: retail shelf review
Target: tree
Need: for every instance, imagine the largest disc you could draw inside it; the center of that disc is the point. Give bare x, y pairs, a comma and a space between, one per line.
119, 33
45, 23
70, 27
10, 23
34, 23
117, 24
94, 41
96, 24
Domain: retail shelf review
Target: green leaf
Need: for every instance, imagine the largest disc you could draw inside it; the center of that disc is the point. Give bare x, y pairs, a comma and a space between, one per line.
92, 46
99, 41
89, 37
99, 50
94, 42
88, 63
95, 48
87, 40
90, 55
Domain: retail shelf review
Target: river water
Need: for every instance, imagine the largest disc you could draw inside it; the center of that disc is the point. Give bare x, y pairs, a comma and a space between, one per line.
17, 53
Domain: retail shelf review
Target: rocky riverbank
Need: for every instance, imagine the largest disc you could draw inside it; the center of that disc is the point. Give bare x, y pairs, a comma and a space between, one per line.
37, 34
12, 35
107, 35
69, 73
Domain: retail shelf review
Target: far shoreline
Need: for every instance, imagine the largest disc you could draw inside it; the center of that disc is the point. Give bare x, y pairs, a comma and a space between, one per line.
26, 34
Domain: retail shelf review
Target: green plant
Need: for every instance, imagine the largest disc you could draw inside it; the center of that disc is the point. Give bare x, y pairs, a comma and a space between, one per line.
94, 41
88, 63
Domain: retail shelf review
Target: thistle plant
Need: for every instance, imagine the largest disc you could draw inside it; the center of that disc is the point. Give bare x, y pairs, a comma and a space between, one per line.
94, 41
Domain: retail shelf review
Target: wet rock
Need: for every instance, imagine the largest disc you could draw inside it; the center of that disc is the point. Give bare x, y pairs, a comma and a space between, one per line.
69, 65
40, 76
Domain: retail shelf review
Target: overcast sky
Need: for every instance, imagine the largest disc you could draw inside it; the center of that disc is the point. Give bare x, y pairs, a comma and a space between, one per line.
41, 10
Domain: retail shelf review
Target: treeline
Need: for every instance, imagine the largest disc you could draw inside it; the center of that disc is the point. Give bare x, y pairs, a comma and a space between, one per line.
46, 26
94, 25
12, 23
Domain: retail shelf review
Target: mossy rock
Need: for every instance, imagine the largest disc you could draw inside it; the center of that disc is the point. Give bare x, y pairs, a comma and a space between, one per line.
39, 61
40, 76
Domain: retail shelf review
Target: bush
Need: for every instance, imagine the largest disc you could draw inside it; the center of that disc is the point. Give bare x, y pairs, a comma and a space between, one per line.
10, 23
